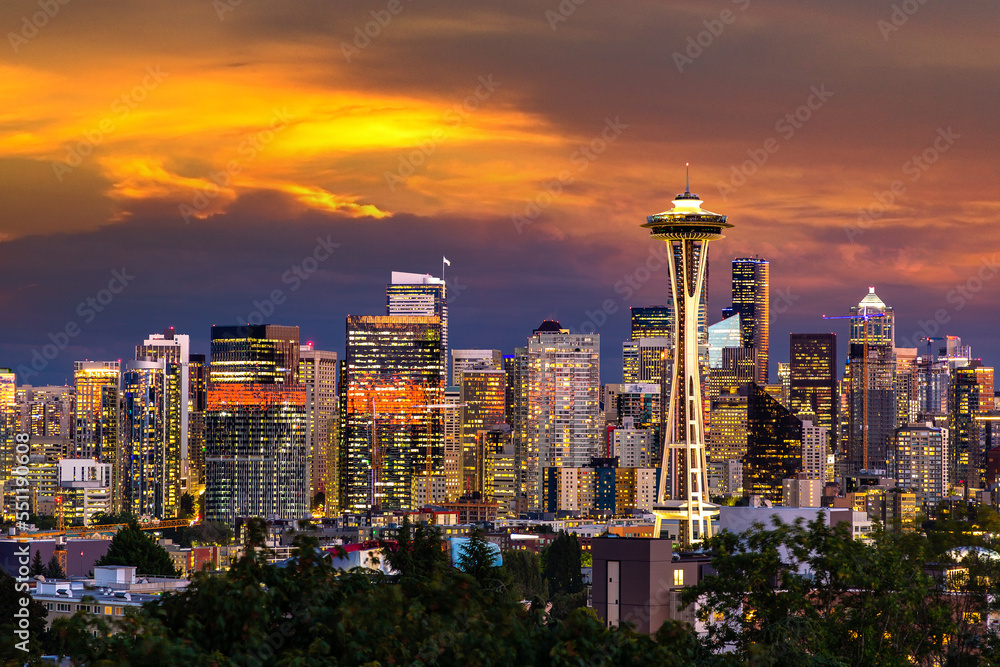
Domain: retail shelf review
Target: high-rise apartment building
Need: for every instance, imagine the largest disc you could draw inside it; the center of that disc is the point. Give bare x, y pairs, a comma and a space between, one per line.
751, 297
318, 374
174, 349
813, 378
46, 412
95, 428
462, 360
416, 294
255, 425
815, 450
391, 409
452, 425
563, 403
922, 461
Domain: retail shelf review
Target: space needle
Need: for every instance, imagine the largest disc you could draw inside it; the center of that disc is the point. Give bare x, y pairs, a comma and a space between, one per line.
687, 228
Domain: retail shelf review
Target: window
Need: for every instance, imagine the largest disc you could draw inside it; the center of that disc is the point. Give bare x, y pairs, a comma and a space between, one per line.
118, 611
678, 577
62, 606
107, 611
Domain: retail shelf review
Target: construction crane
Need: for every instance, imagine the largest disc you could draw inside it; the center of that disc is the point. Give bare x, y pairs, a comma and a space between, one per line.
83, 530
928, 339
864, 315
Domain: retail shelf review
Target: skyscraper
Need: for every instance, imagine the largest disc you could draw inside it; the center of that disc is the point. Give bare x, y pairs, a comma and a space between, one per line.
970, 394
391, 408
813, 378
175, 349
646, 360
423, 295
255, 425
8, 423
318, 374
197, 402
726, 333
482, 400
871, 372
751, 295
148, 467
95, 429
651, 322
563, 403
774, 445
687, 230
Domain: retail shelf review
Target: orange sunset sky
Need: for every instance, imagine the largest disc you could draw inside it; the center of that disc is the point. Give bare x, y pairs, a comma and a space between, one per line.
204, 147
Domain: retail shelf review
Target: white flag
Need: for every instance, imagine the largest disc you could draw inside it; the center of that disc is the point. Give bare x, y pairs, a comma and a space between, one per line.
446, 261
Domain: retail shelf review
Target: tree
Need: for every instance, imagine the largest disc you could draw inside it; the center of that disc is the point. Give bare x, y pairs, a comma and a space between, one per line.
477, 558
418, 552
562, 564
809, 594
188, 507
102, 519
130, 546
54, 569
36, 564
522, 572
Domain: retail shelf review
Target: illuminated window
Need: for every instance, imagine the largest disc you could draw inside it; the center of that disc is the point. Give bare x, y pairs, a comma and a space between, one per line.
678, 577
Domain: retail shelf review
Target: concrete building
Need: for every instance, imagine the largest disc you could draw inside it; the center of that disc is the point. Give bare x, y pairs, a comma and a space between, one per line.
639, 581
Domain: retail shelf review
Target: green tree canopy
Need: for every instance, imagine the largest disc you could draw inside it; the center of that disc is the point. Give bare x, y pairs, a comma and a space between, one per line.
130, 546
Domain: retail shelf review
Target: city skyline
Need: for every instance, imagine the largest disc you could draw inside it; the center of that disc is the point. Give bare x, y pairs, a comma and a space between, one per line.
140, 219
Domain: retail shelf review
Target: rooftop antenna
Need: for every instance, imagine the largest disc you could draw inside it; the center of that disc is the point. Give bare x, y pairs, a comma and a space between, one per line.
687, 178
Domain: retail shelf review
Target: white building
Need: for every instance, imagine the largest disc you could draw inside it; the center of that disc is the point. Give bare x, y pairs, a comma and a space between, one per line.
814, 449
563, 426
632, 446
